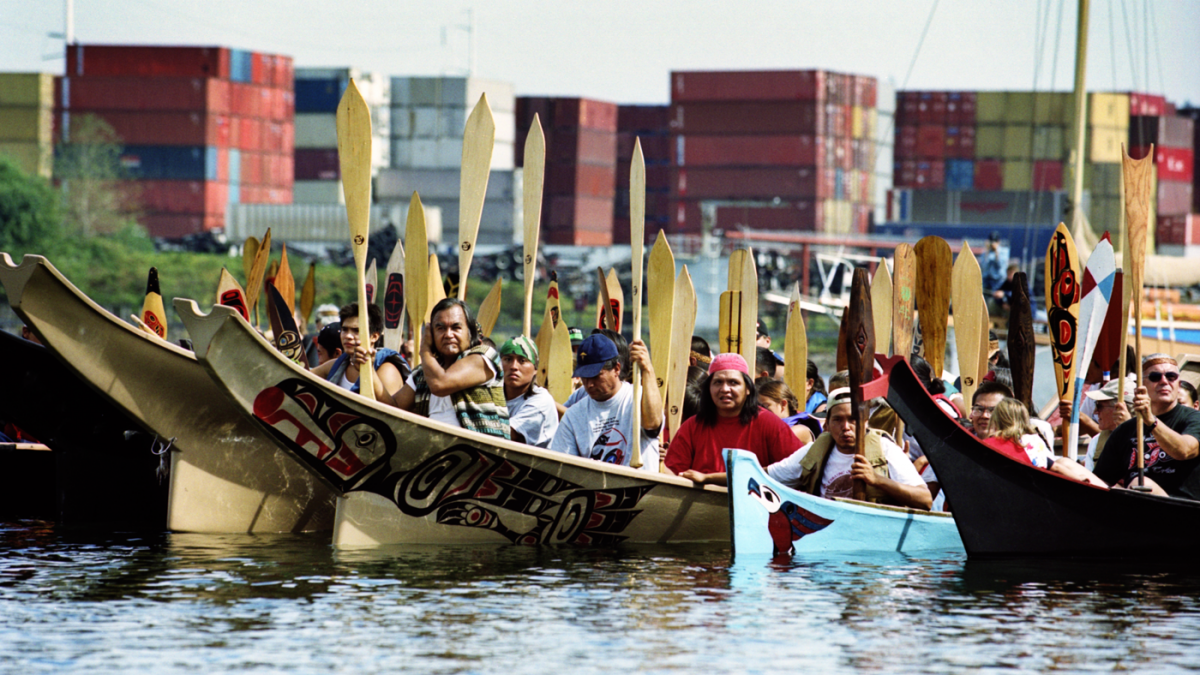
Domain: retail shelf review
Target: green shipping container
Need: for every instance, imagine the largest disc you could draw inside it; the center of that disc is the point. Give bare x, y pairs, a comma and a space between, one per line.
1018, 175
989, 107
35, 90
1049, 143
989, 140
32, 158
1018, 142
25, 123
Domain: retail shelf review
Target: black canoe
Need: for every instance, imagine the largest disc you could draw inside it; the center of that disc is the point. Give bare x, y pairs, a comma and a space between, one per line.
1004, 508
103, 471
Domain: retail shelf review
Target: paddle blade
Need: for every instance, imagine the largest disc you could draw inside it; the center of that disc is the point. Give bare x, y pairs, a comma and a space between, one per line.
881, 300
283, 325
660, 296
489, 310
479, 138
637, 236
904, 298
795, 348
308, 294
1108, 346
860, 356
372, 281
416, 270
1062, 307
285, 283
546, 333
154, 314
969, 313
354, 155
230, 294
558, 372
729, 326
1021, 346
681, 347
749, 332
258, 270
934, 262
393, 299
249, 251
607, 312
533, 178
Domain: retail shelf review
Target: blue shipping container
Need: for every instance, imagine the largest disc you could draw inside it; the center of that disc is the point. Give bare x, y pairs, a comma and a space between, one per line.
235, 167
960, 174
239, 65
235, 193
318, 96
170, 162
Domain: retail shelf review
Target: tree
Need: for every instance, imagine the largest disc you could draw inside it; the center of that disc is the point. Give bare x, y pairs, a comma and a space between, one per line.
30, 217
90, 173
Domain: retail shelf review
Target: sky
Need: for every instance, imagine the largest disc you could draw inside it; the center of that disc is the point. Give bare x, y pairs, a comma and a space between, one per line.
624, 50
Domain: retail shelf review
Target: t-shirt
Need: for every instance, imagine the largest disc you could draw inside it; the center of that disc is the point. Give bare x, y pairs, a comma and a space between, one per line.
576, 396
602, 431
836, 481
1118, 460
534, 416
698, 446
441, 408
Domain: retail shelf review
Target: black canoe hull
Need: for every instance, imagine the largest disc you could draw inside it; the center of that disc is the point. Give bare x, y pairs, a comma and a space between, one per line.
1004, 508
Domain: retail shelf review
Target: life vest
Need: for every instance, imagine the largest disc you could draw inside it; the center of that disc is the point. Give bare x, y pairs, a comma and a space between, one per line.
813, 465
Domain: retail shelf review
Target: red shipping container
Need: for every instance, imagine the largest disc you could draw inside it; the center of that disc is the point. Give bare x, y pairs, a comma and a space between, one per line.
1176, 164
288, 168
177, 225
147, 61
252, 168
906, 142
1174, 197
182, 196
806, 215
862, 219
1047, 175
583, 180
246, 100
748, 183
966, 143
286, 75
803, 118
288, 137
931, 108
654, 148
1147, 104
317, 165
904, 173
250, 133
931, 141
750, 151
908, 105
1178, 230
198, 94
585, 113
260, 68
931, 175
579, 221
826, 183
273, 140
582, 146
643, 119
770, 85
989, 175
160, 128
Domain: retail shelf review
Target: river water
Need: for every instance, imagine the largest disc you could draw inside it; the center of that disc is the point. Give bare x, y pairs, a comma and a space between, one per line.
73, 602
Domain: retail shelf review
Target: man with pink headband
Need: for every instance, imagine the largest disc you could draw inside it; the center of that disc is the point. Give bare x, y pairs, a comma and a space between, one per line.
729, 417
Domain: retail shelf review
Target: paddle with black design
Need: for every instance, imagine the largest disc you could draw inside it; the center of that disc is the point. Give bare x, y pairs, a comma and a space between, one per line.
283, 325
354, 155
393, 299
1062, 310
479, 138
154, 314
1021, 345
1096, 293
605, 314
933, 298
859, 324
904, 296
1137, 177
416, 270
230, 294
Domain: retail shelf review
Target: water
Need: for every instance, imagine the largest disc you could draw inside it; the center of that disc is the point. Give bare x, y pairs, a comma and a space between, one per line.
203, 603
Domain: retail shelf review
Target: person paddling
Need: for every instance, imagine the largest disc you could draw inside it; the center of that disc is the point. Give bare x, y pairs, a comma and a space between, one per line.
344, 370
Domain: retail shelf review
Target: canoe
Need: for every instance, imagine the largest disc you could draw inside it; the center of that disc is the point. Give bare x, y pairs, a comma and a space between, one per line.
226, 475
1005, 508
102, 469
407, 479
769, 518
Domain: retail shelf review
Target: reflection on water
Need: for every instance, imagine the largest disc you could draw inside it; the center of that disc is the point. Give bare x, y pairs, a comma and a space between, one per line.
204, 603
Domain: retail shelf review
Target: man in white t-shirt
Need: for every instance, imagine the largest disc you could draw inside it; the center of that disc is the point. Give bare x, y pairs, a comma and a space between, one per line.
828, 466
532, 413
601, 425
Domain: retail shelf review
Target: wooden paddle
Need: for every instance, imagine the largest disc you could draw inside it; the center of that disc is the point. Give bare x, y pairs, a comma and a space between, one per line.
285, 283
230, 294
681, 346
545, 336
729, 323
416, 270
532, 184
904, 278
1096, 292
372, 281
967, 296
258, 271
881, 301
1062, 308
637, 240
154, 314
437, 285
559, 362
749, 279
283, 325
249, 255
660, 300
737, 266
1021, 346
860, 352
489, 309
933, 298
616, 298
354, 155
308, 294
1137, 176
795, 348
393, 300
479, 138
841, 357
1108, 347
605, 307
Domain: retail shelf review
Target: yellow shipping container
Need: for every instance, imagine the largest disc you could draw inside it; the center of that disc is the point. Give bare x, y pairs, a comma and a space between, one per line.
1018, 141
33, 158
1018, 107
1051, 107
1104, 144
989, 107
1109, 110
989, 140
870, 123
856, 121
1018, 175
25, 123
27, 89
1048, 143
1102, 179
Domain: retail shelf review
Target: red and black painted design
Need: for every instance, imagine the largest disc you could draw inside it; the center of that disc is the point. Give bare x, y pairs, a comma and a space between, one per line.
393, 301
1064, 293
236, 299
151, 320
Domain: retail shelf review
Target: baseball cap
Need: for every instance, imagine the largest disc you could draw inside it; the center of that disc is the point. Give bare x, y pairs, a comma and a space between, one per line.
728, 361
594, 352
1109, 391
576, 336
762, 329
521, 346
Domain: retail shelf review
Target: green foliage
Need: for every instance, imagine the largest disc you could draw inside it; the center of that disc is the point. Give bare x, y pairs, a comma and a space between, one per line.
30, 216
90, 172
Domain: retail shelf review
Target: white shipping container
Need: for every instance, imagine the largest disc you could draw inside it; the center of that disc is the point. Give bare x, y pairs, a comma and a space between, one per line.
401, 122
316, 130
425, 123
441, 153
451, 92
317, 222
317, 192
375, 87
399, 184
496, 226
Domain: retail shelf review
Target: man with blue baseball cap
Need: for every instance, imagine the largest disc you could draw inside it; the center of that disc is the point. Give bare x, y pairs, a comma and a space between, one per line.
532, 413
600, 426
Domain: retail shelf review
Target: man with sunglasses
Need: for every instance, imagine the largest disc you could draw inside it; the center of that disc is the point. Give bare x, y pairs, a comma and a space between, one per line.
1171, 434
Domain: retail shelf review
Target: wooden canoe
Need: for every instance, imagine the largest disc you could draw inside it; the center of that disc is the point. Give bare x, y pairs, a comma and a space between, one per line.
407, 479
768, 518
1005, 508
227, 476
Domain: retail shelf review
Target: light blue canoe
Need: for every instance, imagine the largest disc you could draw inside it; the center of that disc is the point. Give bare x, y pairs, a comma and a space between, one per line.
768, 518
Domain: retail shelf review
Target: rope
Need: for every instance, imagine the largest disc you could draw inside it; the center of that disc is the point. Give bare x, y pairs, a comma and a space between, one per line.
160, 449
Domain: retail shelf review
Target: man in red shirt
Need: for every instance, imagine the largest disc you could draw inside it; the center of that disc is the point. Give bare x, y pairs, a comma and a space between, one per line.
729, 417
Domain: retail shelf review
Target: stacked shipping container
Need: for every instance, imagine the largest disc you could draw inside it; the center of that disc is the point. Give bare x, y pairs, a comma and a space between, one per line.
1174, 139
773, 150
202, 127
26, 105
647, 123
428, 116
318, 92
581, 167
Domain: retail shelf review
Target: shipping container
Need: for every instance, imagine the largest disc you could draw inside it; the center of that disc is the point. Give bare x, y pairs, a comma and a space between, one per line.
26, 123
655, 148
192, 94
804, 118
732, 151
1018, 141
170, 162
156, 128
1170, 132
1182, 229
1018, 175
1104, 144
1108, 110
240, 68
989, 140
747, 183
931, 141
34, 90
147, 61
779, 85
1147, 104
179, 225
316, 130
1049, 143
644, 119
584, 180
989, 107
317, 164
1174, 164
989, 174
30, 156
960, 174
457, 92
1174, 197
182, 196
398, 184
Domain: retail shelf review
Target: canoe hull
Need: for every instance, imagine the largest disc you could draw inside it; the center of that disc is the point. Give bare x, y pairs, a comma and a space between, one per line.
1005, 508
768, 518
407, 479
226, 475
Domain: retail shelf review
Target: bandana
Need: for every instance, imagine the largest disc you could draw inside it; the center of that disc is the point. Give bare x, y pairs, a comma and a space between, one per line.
521, 346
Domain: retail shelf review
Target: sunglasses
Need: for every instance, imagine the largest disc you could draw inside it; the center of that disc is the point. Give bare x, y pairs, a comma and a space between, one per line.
1158, 376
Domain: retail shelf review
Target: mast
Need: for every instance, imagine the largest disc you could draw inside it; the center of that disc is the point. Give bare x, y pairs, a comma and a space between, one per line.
1084, 239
